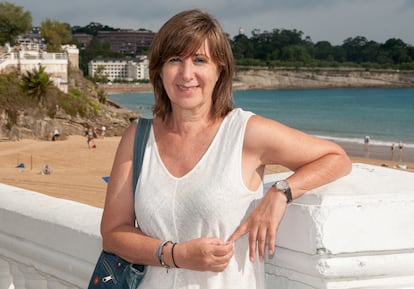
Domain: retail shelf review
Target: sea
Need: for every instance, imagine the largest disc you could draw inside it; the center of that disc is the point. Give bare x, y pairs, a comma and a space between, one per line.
386, 115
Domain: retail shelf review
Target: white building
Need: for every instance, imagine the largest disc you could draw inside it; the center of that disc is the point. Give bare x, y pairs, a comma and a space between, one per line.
122, 69
29, 56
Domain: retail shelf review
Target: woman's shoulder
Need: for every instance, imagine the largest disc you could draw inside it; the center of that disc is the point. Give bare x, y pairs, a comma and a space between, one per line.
239, 113
129, 132
238, 120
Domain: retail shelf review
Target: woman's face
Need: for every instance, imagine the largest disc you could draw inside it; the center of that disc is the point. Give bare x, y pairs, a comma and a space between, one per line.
189, 82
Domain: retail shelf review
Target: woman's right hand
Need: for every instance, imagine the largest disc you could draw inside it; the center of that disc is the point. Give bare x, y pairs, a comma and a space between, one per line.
203, 254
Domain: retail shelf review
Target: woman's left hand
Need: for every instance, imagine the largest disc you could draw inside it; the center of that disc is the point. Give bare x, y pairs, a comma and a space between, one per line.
262, 224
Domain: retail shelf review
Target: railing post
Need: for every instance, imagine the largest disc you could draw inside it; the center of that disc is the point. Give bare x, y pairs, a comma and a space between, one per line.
5, 275
33, 279
19, 281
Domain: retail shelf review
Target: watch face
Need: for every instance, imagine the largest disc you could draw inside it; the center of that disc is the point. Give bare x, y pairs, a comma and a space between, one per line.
282, 185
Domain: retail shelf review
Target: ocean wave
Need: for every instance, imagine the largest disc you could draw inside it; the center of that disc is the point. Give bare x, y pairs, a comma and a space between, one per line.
361, 141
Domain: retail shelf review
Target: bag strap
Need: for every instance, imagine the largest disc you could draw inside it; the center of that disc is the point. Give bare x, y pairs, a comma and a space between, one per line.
140, 142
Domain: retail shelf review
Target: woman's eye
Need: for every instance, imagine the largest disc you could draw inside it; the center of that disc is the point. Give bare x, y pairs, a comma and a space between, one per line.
200, 60
174, 59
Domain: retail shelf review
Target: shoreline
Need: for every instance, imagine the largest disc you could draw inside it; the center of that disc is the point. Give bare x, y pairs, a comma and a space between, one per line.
378, 139
253, 78
133, 88
78, 171
378, 152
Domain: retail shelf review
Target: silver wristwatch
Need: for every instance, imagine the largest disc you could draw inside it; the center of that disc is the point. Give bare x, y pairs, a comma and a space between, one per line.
283, 186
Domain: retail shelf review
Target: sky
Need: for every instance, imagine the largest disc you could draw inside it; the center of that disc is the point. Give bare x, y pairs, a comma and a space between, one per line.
321, 20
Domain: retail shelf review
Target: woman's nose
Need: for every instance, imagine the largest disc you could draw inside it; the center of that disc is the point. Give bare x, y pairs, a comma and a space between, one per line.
187, 70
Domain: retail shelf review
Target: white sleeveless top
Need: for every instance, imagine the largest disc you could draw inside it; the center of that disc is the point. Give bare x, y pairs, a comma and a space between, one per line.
209, 201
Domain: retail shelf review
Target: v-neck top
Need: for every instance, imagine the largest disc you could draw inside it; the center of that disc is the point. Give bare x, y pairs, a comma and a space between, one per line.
211, 200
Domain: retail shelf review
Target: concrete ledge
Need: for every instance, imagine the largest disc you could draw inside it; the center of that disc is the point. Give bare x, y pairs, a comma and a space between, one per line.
354, 233
56, 237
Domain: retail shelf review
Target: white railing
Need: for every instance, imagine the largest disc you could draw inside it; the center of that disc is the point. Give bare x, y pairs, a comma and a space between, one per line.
56, 64
32, 59
4, 57
354, 233
33, 55
46, 242
4, 60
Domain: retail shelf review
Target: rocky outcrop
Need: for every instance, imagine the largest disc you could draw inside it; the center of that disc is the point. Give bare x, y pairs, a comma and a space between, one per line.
34, 123
28, 125
125, 87
264, 78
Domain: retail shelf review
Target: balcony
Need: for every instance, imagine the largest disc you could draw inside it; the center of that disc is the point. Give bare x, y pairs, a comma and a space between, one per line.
56, 65
354, 233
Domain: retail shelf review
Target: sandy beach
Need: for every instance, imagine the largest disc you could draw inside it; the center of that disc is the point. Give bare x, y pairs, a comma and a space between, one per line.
77, 170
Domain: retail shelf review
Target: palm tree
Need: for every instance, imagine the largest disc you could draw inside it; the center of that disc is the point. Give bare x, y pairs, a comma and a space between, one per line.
36, 83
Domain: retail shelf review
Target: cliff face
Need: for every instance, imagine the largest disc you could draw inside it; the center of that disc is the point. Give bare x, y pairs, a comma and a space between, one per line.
33, 122
263, 78
31, 125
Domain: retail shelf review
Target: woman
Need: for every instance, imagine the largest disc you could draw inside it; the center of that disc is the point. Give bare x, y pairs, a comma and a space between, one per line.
201, 180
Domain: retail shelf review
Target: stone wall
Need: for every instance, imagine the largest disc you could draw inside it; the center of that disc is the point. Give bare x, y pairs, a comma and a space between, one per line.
353, 233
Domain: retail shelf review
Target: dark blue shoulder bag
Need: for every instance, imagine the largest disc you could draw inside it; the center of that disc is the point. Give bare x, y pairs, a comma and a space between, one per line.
111, 271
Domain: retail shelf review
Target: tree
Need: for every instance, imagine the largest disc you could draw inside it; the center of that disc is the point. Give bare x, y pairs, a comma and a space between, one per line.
100, 75
242, 47
96, 49
370, 52
93, 28
55, 34
36, 83
323, 51
354, 47
295, 53
13, 22
397, 50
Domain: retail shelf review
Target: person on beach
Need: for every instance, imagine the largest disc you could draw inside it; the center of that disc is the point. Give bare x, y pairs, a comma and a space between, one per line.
56, 135
366, 146
392, 151
90, 136
203, 217
103, 131
46, 170
400, 150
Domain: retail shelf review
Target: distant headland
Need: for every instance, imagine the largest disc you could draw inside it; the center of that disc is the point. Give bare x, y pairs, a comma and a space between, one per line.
299, 78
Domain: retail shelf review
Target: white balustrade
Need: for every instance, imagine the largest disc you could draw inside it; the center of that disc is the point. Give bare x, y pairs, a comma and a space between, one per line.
47, 242
354, 233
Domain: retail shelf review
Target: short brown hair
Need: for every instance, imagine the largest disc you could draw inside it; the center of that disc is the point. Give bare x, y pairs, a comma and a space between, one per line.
181, 36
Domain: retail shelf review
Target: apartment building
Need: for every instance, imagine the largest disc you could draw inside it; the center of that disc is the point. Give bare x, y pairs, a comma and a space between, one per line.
83, 39
127, 41
32, 40
122, 69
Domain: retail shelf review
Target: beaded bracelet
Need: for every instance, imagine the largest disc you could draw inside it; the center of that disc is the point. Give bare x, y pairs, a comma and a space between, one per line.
160, 254
172, 255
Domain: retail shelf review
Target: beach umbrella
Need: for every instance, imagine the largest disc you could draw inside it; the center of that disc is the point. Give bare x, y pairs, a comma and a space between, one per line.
105, 179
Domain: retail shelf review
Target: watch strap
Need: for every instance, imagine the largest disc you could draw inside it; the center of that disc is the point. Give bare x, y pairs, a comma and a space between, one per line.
285, 189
